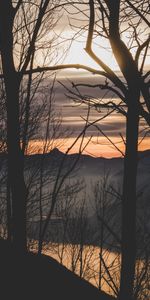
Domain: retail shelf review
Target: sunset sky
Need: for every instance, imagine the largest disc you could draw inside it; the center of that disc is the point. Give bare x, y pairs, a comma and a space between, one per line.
72, 113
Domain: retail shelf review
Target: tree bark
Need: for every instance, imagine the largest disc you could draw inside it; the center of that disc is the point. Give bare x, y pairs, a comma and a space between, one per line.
15, 157
131, 74
129, 203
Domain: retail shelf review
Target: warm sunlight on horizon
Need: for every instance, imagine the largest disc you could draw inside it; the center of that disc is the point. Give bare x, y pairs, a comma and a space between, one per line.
100, 149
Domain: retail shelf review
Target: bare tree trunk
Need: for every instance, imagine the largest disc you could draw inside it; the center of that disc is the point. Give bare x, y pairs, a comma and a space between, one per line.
130, 72
15, 166
15, 157
9, 215
129, 203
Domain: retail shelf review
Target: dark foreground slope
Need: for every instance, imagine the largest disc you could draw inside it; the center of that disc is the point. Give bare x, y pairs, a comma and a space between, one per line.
33, 277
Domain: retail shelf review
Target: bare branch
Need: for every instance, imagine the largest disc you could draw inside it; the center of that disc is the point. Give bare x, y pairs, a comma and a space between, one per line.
138, 12
140, 48
112, 76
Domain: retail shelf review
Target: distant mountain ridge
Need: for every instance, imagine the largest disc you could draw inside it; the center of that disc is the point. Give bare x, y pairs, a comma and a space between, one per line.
84, 164
58, 153
87, 161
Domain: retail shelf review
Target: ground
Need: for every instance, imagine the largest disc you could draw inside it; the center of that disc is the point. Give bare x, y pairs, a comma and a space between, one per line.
40, 277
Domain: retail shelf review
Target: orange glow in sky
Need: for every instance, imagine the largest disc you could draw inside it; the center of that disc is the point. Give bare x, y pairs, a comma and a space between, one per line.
101, 149
78, 55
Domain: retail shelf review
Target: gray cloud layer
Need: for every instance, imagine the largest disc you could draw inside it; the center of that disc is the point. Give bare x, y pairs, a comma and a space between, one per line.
73, 113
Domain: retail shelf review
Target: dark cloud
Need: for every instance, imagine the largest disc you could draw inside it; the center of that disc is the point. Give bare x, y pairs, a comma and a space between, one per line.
74, 114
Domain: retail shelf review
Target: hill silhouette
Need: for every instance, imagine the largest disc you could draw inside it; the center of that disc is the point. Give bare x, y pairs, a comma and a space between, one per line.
31, 276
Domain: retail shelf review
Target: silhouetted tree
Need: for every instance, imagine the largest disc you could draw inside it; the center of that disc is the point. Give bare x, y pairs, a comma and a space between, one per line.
21, 29
104, 20
109, 21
